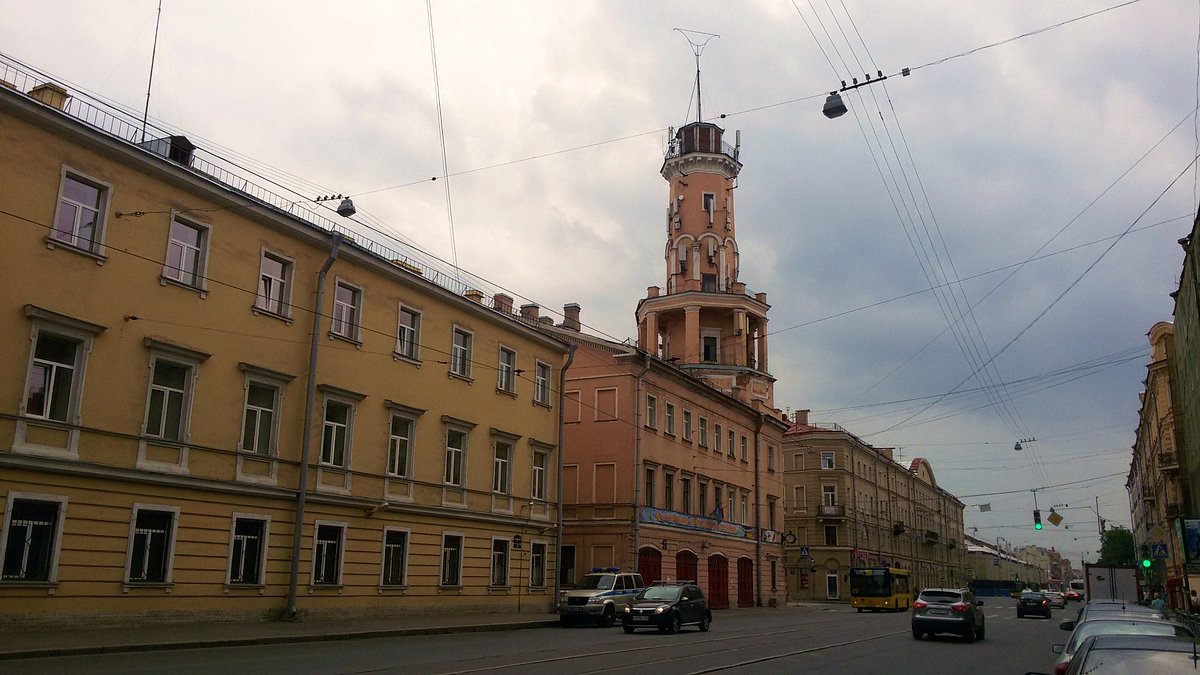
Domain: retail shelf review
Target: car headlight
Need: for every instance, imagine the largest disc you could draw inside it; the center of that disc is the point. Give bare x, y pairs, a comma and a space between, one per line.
595, 600
660, 609
628, 610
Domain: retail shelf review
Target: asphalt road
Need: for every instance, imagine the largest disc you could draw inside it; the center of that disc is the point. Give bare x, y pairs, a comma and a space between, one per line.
810, 640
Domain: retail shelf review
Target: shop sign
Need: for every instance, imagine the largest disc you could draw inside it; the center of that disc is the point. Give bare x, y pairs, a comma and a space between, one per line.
688, 521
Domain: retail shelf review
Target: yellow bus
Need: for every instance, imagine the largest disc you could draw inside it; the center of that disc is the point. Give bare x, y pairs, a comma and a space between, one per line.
880, 588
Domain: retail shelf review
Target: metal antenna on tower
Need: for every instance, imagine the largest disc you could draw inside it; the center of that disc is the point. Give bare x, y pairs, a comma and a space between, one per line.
150, 82
698, 46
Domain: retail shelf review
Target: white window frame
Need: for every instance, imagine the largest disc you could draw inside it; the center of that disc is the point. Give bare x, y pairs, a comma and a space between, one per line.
506, 372
745, 506
55, 545
502, 466
652, 411
254, 379
541, 387
536, 570
731, 436
197, 278
341, 325
185, 399
455, 456
82, 344
457, 581
829, 495
348, 431
703, 426
669, 418
687, 425
538, 482
828, 461
393, 470
460, 355
770, 457
408, 338
97, 246
264, 544
505, 562
717, 435
169, 570
745, 449
277, 300
383, 558
341, 554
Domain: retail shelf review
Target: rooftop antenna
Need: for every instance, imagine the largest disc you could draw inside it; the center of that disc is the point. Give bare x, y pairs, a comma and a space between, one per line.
698, 40
153, 52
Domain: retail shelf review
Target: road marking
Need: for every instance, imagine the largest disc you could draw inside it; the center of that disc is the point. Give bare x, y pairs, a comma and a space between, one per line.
809, 650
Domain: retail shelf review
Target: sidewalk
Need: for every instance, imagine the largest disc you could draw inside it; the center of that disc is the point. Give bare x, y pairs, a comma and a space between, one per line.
82, 641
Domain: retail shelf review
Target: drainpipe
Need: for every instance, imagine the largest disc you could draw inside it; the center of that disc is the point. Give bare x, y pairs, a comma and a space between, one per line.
757, 516
637, 459
558, 519
306, 442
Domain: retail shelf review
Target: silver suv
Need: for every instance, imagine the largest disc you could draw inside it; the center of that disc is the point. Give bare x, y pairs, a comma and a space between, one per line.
948, 610
601, 596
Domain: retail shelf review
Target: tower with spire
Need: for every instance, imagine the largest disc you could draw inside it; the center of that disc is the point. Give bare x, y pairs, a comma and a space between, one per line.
703, 318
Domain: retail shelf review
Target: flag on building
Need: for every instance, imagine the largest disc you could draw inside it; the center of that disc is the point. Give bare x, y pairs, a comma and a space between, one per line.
984, 508
717, 515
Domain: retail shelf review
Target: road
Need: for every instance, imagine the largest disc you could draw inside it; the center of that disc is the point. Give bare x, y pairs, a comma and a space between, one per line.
832, 639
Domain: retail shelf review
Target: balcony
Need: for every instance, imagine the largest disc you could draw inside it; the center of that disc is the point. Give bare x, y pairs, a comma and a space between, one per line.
931, 537
831, 511
1168, 461
898, 528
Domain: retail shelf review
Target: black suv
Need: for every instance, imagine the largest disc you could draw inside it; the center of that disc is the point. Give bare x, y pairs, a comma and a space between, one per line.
667, 606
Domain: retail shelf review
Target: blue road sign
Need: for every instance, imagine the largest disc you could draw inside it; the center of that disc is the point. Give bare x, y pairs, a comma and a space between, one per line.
804, 552
1158, 551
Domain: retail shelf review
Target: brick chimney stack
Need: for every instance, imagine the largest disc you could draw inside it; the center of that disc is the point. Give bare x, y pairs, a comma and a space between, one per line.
571, 317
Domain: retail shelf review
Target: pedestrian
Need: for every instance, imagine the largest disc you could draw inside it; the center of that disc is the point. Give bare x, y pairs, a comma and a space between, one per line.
1157, 603
1194, 603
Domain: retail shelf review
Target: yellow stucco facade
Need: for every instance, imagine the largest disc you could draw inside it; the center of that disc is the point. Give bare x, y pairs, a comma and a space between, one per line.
157, 315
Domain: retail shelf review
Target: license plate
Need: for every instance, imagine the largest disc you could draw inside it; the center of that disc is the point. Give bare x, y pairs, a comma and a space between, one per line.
939, 612
641, 619
574, 609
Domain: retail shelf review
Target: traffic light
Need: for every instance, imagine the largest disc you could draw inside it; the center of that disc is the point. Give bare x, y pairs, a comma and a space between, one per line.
1145, 556
1037, 519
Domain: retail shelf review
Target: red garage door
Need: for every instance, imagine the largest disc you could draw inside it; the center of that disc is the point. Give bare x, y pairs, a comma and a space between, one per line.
650, 565
718, 582
745, 582
685, 566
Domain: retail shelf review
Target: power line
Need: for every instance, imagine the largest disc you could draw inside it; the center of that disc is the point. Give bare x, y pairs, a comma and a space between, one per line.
1044, 487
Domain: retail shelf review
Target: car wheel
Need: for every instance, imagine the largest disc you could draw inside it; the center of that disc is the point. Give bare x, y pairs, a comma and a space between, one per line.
627, 629
564, 621
916, 634
705, 621
609, 617
979, 633
675, 625
860, 610
1020, 614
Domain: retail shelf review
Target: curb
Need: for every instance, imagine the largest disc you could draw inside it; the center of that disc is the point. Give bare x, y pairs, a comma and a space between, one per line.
271, 639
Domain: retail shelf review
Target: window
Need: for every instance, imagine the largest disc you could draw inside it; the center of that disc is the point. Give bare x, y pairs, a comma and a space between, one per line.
709, 201
499, 562
745, 455
717, 495
537, 565
460, 353
669, 490
829, 495
327, 554
827, 460
507, 372
770, 458
648, 497
400, 446
799, 499
708, 348
335, 438
52, 390
541, 383
731, 495
541, 461
704, 432
687, 425
274, 285
408, 333
247, 550
395, 558
452, 548
347, 310
685, 493
717, 439
81, 216
771, 512
732, 438
702, 494
456, 450
259, 418
831, 538
32, 531
708, 283
502, 467
187, 253
745, 512
166, 410
669, 415
651, 411
152, 541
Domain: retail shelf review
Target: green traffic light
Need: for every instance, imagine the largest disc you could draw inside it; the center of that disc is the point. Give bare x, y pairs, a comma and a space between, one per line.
1037, 526
1146, 563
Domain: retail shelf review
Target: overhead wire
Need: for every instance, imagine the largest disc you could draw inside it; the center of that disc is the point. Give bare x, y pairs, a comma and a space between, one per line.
437, 95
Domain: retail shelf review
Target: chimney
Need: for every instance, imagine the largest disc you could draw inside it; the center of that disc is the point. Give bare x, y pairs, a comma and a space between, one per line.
546, 320
800, 417
502, 303
474, 295
51, 94
653, 291
530, 311
571, 317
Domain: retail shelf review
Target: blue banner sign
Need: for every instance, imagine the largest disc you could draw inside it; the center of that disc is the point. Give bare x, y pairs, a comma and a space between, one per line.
688, 521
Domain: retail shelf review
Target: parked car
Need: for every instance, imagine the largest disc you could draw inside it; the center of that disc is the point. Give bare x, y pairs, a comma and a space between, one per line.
1121, 654
1114, 625
668, 606
948, 610
1111, 608
1056, 599
1033, 603
1072, 595
601, 596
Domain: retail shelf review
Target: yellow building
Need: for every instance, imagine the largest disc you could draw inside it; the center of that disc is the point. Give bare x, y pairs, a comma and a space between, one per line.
850, 504
156, 396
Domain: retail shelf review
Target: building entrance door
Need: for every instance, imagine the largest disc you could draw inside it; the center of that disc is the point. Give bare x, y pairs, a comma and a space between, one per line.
831, 585
718, 582
686, 566
745, 571
650, 565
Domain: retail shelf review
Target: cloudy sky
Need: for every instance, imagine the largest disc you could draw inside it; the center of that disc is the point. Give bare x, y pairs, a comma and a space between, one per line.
554, 117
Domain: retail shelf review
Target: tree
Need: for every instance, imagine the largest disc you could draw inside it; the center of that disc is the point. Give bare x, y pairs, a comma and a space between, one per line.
1117, 547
